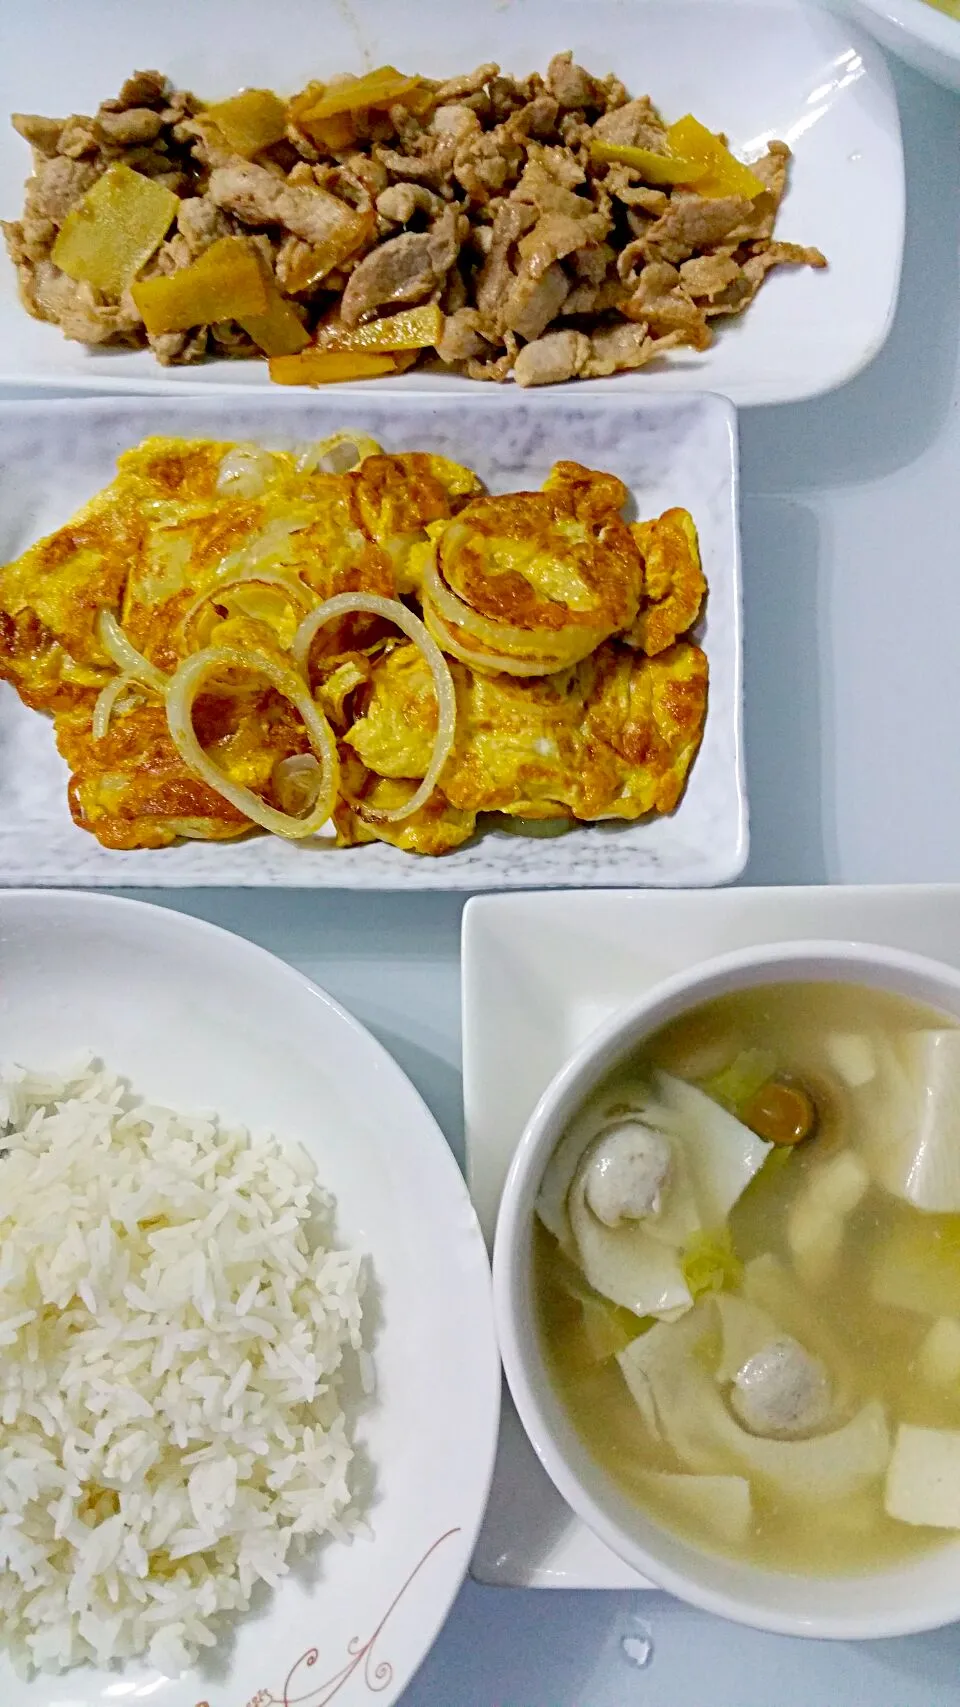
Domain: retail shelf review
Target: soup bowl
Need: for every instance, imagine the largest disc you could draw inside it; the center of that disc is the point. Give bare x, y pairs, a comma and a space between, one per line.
919, 1594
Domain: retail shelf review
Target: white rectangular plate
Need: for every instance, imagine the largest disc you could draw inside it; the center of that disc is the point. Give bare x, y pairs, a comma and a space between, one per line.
539, 972
753, 68
668, 450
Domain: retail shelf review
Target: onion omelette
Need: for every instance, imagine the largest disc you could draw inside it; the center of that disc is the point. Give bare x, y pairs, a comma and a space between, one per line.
330, 640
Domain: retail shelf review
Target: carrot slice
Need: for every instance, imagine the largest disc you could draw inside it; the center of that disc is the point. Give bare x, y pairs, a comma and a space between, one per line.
411, 329
725, 175
327, 367
655, 168
114, 229
226, 282
251, 121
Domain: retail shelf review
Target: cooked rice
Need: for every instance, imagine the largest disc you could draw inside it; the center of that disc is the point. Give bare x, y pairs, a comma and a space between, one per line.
173, 1326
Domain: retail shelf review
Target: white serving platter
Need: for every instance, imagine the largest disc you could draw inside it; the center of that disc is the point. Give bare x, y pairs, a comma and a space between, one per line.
539, 973
754, 68
200, 1019
668, 450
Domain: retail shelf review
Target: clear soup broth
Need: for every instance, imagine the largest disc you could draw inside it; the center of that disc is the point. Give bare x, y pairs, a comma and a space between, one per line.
793, 1395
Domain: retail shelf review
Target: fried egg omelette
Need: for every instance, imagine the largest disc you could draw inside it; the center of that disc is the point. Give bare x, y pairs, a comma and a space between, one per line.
228, 637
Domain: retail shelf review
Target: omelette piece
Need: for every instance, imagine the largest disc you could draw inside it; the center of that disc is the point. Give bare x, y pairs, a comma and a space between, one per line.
516, 740
396, 733
132, 789
561, 565
140, 549
674, 583
436, 829
400, 496
518, 745
344, 675
181, 515
614, 737
647, 714
50, 598
217, 509
591, 493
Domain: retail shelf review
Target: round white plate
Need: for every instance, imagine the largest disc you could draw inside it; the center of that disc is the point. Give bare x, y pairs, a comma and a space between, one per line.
198, 1018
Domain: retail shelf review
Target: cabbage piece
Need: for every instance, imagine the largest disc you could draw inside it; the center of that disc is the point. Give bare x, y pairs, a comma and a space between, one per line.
769, 1284
819, 1211
640, 1264
737, 1085
558, 1175
923, 1481
380, 88
908, 1119
745, 1330
671, 1384
279, 331
709, 1263
721, 1504
329, 367
608, 1328
722, 1153
938, 1360
410, 329
653, 166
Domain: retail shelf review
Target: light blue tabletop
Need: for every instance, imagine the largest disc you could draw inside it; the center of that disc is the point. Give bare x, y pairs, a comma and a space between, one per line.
851, 512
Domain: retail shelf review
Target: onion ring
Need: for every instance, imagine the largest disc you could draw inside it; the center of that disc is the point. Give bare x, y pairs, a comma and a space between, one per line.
345, 604
572, 647
124, 654
483, 662
182, 690
301, 773
106, 704
312, 455
288, 584
245, 470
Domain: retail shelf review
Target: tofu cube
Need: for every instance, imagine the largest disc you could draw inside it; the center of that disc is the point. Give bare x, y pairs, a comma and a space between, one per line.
815, 1224
923, 1480
721, 1503
853, 1058
938, 1361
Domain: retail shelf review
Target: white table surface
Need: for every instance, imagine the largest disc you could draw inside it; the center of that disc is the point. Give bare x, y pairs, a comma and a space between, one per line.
851, 515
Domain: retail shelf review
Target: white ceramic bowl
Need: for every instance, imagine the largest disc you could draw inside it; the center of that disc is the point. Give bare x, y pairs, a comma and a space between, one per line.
921, 34
921, 1595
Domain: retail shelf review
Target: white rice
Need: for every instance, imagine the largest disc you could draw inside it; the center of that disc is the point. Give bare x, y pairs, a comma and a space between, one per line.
173, 1324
